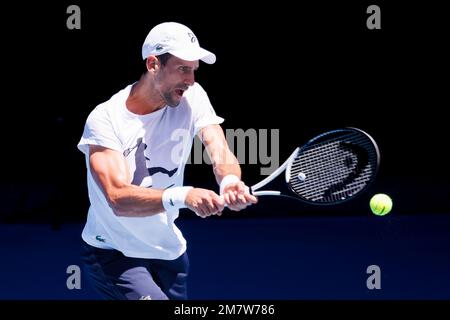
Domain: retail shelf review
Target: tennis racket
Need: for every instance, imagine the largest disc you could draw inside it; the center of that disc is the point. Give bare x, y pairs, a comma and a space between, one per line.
331, 168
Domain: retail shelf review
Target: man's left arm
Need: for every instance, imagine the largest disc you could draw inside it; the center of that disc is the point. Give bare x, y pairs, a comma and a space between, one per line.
226, 168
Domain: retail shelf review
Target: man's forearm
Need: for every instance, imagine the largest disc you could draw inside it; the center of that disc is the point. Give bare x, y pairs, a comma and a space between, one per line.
223, 160
134, 201
229, 167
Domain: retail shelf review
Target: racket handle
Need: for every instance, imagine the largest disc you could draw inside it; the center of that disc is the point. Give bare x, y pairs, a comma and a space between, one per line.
266, 193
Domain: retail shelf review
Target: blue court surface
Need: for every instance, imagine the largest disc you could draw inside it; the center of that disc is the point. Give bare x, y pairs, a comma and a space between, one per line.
258, 258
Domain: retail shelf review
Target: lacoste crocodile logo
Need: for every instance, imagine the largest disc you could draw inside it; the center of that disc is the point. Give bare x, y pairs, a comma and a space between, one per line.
99, 238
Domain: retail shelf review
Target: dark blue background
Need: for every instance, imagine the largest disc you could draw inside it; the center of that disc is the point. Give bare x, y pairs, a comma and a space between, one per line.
248, 257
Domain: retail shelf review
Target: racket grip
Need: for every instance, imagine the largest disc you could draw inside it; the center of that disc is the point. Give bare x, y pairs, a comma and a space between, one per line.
266, 193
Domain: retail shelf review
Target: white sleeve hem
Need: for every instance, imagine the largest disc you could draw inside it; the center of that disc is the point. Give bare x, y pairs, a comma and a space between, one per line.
83, 145
213, 119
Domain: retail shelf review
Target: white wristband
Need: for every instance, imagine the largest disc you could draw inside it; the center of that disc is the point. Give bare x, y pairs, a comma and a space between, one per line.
231, 178
173, 198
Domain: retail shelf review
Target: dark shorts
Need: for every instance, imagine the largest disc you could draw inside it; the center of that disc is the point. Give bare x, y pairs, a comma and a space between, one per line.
118, 277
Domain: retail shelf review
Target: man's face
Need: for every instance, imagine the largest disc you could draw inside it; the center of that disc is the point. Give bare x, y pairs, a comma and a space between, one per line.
174, 78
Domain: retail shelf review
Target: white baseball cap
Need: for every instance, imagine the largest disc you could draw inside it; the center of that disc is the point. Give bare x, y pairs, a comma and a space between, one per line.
176, 39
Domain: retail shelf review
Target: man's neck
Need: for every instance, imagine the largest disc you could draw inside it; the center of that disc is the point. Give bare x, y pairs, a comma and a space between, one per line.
142, 98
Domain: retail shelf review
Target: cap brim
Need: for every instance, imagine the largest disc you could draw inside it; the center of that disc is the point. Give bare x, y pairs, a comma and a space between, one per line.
195, 54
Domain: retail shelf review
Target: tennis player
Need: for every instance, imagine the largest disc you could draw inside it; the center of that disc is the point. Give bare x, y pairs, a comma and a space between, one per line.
136, 146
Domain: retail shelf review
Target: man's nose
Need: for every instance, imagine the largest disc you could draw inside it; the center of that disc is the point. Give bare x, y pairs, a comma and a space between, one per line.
190, 79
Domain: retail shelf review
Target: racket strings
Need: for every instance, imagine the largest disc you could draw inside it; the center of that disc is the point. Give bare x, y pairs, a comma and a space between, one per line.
334, 169
321, 170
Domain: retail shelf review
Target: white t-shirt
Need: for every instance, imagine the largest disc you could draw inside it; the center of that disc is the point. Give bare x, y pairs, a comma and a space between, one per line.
156, 147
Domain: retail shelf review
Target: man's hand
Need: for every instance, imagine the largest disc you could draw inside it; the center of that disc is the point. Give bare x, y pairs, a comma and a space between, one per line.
237, 196
204, 202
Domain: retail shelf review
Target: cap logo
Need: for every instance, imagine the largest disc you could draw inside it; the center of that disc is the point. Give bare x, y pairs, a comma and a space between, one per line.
192, 36
159, 47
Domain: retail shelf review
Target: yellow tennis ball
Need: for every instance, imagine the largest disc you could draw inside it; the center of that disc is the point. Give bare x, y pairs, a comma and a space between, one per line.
381, 204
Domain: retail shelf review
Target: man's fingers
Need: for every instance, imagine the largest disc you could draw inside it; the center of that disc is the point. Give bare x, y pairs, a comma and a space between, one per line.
205, 208
210, 205
206, 203
200, 212
238, 197
241, 198
232, 197
251, 198
226, 198
219, 202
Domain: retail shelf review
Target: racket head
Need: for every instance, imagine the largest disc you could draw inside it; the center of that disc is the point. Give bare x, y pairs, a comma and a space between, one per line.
333, 167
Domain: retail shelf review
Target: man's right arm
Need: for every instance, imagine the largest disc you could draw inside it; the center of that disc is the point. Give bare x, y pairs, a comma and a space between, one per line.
110, 171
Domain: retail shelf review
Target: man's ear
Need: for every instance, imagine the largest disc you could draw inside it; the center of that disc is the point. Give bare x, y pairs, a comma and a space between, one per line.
152, 63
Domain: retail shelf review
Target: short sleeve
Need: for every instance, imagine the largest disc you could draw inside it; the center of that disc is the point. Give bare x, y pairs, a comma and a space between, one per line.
98, 130
203, 111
